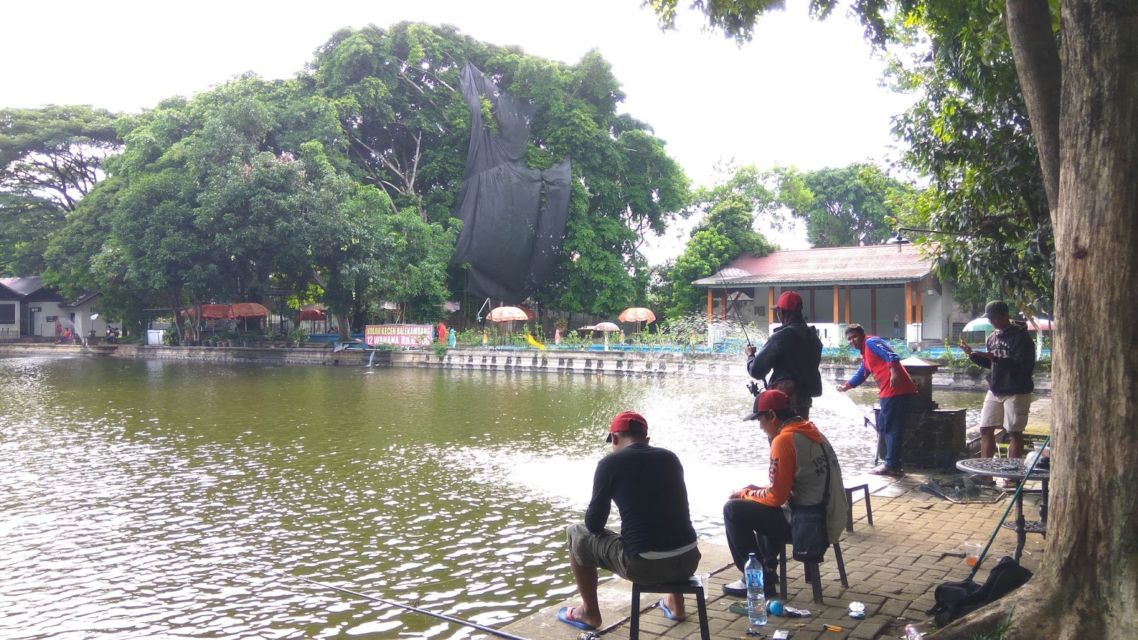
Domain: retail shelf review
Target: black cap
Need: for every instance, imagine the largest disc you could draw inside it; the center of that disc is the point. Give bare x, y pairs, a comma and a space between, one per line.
996, 308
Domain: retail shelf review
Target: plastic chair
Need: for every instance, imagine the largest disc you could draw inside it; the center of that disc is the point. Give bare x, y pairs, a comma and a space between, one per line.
693, 585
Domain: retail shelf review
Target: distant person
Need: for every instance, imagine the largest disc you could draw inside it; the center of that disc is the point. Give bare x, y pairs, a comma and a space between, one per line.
800, 460
1011, 357
657, 542
58, 331
895, 393
897, 333
791, 355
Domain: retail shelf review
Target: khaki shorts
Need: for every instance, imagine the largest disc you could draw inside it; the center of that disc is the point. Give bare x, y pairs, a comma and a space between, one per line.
605, 550
1009, 412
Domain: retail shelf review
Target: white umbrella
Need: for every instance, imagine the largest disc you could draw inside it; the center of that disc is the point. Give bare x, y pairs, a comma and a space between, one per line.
979, 324
606, 327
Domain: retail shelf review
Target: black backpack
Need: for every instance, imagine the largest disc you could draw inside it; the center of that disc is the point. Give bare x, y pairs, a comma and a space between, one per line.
955, 599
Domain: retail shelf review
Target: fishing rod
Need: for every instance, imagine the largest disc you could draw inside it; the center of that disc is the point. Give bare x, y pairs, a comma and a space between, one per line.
1011, 503
440, 616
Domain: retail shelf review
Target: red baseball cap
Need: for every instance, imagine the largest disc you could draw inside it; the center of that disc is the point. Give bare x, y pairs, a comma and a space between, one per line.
789, 300
769, 400
627, 422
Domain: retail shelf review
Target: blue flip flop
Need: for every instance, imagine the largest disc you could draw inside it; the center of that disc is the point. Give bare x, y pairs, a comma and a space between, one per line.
563, 615
668, 612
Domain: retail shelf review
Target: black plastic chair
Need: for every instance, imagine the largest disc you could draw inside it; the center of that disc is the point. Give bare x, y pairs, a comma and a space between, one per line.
692, 585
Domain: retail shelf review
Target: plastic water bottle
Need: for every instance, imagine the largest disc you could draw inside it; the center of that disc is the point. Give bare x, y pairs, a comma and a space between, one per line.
756, 597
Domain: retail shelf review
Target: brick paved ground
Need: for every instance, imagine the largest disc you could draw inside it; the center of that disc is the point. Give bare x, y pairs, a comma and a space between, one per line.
893, 567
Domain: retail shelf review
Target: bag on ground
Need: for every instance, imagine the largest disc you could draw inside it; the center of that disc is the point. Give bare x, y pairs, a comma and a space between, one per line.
958, 598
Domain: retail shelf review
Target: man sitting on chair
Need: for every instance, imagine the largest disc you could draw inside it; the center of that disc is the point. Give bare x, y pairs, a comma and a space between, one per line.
657, 542
754, 516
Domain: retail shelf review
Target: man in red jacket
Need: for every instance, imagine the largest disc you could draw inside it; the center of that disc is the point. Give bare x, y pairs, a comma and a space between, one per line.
895, 392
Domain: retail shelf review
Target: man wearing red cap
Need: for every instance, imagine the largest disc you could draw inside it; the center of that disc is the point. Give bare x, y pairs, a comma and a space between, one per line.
791, 355
895, 393
657, 542
801, 463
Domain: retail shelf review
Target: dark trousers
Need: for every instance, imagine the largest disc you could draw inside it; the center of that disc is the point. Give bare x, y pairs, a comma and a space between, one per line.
891, 427
743, 520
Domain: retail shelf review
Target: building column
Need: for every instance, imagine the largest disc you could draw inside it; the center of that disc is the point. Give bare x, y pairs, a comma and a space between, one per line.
710, 303
837, 318
908, 303
770, 305
873, 311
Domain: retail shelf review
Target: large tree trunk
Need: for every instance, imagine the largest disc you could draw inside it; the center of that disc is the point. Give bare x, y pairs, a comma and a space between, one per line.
1087, 586
1036, 55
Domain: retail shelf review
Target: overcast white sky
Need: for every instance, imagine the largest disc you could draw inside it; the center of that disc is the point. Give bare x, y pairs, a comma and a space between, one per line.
803, 93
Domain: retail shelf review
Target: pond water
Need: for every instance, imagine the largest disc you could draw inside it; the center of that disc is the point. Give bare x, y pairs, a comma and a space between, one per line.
149, 499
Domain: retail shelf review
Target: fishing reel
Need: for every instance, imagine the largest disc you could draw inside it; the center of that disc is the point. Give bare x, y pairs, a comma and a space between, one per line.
753, 387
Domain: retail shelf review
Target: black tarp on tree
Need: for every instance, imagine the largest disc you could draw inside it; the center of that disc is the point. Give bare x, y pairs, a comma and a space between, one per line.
513, 216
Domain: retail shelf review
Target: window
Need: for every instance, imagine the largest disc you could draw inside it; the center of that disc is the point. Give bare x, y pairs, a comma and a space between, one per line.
7, 313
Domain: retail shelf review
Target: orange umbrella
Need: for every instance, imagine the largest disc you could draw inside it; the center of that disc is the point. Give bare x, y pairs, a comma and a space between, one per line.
637, 314
248, 310
507, 314
310, 312
209, 311
245, 310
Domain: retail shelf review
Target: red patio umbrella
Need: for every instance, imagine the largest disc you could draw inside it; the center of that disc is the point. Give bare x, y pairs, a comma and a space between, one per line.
248, 310
310, 312
209, 311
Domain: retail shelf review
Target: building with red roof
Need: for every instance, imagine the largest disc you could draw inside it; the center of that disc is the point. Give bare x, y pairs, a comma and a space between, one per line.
889, 289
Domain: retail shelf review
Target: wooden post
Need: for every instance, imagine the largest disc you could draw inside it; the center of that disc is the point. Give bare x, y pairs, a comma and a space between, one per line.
908, 303
770, 306
873, 310
837, 306
710, 304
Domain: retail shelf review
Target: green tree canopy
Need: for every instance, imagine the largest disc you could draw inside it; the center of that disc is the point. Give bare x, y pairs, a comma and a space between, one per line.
49, 159
725, 232
971, 135
842, 207
407, 130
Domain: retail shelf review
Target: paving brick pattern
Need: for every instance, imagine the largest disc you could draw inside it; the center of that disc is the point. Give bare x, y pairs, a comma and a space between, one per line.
892, 567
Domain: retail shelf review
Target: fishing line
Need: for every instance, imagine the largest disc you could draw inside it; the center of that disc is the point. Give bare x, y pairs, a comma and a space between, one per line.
730, 307
407, 607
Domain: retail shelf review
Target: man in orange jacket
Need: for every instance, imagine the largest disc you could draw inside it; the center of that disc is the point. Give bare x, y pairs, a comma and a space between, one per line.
800, 456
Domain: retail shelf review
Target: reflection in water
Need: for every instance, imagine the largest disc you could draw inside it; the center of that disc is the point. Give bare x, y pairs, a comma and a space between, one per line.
154, 499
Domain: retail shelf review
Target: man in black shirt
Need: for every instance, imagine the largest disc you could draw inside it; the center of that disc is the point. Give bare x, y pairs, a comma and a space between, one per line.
791, 355
656, 543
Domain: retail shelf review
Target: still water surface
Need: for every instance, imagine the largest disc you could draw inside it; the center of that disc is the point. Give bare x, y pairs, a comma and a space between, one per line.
143, 499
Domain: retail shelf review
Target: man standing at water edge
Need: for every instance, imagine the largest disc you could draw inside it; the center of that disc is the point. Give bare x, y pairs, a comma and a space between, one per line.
792, 355
1011, 357
801, 461
895, 393
657, 542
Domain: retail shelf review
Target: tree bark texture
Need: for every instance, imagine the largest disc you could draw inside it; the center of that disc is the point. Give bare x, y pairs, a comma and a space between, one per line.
1036, 55
1087, 586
